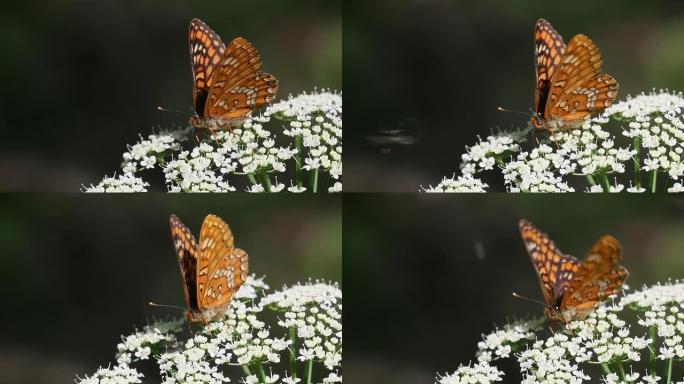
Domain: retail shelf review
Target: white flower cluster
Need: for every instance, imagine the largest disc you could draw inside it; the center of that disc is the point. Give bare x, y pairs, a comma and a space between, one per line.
480, 373
656, 122
605, 338
311, 331
314, 312
540, 170
484, 155
315, 123
465, 183
118, 184
119, 374
500, 343
138, 346
649, 142
248, 151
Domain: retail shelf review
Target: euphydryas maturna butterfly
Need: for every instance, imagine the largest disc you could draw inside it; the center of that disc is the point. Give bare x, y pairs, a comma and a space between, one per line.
572, 289
227, 81
212, 270
569, 86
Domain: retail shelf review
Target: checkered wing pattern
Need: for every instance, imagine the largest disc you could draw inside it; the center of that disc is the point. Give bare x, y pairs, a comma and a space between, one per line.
549, 48
221, 268
570, 87
228, 81
186, 251
572, 289
554, 269
206, 52
599, 277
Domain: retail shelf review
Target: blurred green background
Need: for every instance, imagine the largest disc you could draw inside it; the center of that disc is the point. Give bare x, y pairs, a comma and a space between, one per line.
82, 79
438, 69
77, 273
425, 276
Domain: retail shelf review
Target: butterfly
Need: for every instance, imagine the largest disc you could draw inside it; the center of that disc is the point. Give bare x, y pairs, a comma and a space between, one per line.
572, 289
569, 86
212, 270
227, 81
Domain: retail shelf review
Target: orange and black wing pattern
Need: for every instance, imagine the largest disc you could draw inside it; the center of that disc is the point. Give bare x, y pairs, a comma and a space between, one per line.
206, 52
221, 268
548, 51
187, 252
598, 277
554, 269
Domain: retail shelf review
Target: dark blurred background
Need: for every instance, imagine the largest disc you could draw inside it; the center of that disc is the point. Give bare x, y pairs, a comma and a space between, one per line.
436, 70
81, 79
426, 276
76, 273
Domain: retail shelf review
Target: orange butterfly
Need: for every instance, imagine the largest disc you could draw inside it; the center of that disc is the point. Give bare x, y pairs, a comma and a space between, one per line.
572, 289
569, 86
227, 82
212, 270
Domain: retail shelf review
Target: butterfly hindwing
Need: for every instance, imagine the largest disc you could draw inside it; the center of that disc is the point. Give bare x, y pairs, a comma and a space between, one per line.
221, 268
186, 251
250, 93
599, 276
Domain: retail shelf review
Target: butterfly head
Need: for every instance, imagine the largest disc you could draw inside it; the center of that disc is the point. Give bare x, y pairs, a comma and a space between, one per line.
537, 121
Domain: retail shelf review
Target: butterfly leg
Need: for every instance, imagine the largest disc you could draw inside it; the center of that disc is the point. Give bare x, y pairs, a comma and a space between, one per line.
212, 132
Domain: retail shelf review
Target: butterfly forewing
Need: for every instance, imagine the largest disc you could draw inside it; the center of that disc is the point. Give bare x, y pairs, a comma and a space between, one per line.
554, 269
221, 268
206, 52
186, 251
548, 49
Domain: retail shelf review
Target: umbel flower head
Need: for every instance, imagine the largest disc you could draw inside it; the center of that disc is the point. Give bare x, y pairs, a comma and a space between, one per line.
306, 341
300, 137
635, 145
635, 338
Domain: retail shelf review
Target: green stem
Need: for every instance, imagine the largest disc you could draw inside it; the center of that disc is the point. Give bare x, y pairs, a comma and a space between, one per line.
653, 180
605, 183
261, 373
652, 333
621, 370
309, 369
591, 179
266, 181
636, 142
293, 356
606, 369
252, 179
314, 181
668, 378
298, 161
246, 369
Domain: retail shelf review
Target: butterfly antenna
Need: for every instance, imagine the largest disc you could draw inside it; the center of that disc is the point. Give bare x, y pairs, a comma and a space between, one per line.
528, 299
512, 111
173, 110
167, 306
